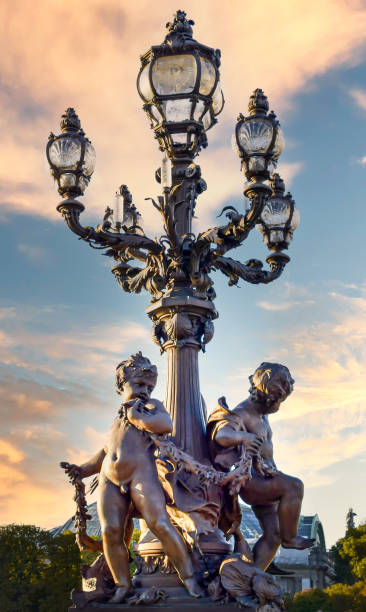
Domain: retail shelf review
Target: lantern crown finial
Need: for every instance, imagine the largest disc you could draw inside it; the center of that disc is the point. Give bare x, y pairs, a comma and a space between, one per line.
70, 122
258, 103
277, 184
180, 26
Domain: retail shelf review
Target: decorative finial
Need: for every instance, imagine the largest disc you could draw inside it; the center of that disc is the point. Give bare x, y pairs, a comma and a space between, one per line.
258, 103
181, 24
277, 184
180, 30
70, 122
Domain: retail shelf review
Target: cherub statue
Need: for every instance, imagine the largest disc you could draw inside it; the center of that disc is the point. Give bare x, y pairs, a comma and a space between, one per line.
243, 437
128, 477
252, 588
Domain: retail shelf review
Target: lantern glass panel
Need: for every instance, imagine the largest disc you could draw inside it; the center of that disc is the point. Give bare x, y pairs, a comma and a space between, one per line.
83, 183
217, 100
279, 144
256, 164
200, 107
89, 159
179, 138
295, 220
276, 236
177, 110
65, 153
174, 74
276, 213
67, 180
208, 76
206, 120
255, 136
144, 84
156, 114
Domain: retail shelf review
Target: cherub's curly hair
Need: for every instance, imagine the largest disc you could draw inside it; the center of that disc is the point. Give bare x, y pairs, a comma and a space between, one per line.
264, 375
133, 367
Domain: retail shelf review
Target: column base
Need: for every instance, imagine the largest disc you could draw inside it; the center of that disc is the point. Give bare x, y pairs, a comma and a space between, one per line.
187, 604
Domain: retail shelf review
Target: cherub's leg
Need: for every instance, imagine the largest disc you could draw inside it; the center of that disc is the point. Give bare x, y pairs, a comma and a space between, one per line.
112, 510
288, 491
128, 530
148, 498
268, 544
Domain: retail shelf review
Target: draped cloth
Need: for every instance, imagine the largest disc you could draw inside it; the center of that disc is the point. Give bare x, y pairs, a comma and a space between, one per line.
223, 459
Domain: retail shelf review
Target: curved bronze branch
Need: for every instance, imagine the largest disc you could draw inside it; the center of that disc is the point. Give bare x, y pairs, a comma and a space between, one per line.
232, 234
71, 210
252, 271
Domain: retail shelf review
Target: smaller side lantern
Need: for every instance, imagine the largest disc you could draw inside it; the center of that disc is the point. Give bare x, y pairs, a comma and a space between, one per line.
71, 156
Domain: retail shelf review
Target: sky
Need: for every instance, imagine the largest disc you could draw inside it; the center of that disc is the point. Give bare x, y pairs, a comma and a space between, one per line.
65, 323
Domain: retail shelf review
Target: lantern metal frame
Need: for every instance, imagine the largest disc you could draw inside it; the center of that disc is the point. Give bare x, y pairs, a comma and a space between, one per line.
70, 128
278, 191
258, 111
179, 42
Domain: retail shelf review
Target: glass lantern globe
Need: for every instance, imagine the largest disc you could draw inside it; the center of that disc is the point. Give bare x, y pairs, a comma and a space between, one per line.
179, 84
279, 217
258, 139
71, 156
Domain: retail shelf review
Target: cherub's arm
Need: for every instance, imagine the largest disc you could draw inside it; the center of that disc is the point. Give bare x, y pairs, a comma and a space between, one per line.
153, 419
267, 449
226, 436
88, 468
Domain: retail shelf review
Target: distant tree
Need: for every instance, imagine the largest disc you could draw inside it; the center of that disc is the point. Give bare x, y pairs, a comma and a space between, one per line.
311, 600
347, 598
342, 567
348, 595
37, 571
354, 550
61, 575
337, 598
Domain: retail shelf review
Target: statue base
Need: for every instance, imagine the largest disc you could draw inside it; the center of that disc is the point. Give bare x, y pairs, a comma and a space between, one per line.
184, 604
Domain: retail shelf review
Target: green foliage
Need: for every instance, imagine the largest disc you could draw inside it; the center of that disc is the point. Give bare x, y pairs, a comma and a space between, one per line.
354, 550
135, 538
347, 598
37, 571
342, 566
337, 598
349, 556
311, 600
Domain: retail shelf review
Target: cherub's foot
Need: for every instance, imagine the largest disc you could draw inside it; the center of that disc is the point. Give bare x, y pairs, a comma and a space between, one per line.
120, 594
298, 543
193, 587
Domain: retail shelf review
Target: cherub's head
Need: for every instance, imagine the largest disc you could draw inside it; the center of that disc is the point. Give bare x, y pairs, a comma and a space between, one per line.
136, 378
271, 384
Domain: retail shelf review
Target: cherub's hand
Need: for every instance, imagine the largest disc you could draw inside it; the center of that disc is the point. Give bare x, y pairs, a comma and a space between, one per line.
134, 411
73, 471
251, 442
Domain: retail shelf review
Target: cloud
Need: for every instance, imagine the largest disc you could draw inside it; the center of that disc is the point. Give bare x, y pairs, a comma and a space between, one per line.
43, 72
42, 424
359, 96
324, 421
278, 306
13, 454
362, 160
34, 253
94, 351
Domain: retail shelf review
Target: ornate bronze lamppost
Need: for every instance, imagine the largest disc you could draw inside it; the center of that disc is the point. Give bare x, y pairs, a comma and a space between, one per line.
179, 83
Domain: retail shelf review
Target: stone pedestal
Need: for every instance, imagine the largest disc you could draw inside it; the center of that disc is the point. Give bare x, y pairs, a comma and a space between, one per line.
186, 604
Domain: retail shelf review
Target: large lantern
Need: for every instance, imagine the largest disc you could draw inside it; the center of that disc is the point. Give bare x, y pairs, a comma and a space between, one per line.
71, 156
279, 217
179, 83
258, 139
